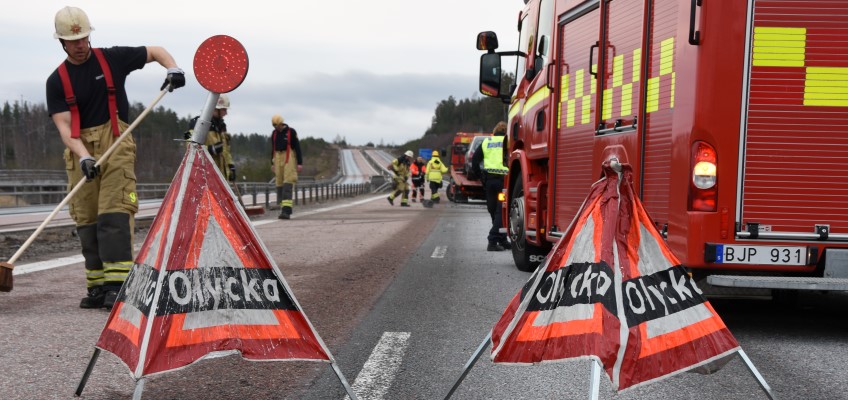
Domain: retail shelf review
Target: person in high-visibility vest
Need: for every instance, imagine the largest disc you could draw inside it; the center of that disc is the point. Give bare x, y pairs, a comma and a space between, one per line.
285, 165
400, 168
87, 100
418, 169
435, 169
493, 174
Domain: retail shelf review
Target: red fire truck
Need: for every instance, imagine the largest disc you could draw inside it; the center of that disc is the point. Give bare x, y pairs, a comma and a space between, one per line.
733, 115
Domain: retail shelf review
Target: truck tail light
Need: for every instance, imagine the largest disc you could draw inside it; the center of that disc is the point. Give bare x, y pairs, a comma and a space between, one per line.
703, 188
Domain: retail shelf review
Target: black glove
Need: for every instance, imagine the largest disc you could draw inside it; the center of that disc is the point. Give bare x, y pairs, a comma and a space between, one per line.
232, 173
216, 148
187, 135
175, 78
89, 169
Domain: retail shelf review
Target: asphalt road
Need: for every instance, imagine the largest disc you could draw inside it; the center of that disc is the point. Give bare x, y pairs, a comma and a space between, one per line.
419, 280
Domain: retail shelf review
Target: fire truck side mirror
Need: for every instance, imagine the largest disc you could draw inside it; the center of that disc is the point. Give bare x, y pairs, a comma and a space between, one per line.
487, 41
490, 74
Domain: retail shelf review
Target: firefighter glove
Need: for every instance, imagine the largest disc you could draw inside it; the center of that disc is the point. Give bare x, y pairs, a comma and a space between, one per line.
89, 167
216, 148
175, 78
232, 173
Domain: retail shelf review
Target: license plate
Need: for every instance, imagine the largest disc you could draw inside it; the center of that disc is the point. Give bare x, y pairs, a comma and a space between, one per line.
765, 255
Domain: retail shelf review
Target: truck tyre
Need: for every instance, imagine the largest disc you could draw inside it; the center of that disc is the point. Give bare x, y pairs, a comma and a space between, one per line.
526, 256
450, 192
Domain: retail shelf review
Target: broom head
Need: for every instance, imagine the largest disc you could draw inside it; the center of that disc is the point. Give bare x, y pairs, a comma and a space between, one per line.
6, 277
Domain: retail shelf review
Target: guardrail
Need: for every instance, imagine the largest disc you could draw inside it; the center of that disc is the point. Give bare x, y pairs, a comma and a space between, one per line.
305, 193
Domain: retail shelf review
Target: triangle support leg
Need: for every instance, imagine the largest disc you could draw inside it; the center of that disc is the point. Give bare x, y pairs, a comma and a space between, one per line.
139, 388
87, 373
470, 363
347, 388
763, 384
595, 381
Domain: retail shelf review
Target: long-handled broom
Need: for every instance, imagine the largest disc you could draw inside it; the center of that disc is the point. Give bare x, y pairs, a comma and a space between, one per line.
6, 280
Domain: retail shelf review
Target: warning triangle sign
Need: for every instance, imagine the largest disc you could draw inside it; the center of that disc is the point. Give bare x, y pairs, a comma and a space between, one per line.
612, 291
204, 283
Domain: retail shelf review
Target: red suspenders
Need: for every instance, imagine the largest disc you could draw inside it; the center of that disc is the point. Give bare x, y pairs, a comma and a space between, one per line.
288, 143
72, 100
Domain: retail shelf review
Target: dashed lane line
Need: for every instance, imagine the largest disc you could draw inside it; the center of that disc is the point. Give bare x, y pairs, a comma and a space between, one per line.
380, 369
439, 252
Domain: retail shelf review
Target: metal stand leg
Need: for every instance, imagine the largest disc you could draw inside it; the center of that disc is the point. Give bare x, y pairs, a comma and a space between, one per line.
595, 381
470, 363
88, 369
342, 379
765, 386
139, 387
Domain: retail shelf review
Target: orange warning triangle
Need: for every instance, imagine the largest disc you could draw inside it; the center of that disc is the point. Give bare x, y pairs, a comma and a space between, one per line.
612, 291
204, 283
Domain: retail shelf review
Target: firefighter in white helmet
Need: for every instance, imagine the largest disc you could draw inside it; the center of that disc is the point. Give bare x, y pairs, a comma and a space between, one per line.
218, 140
286, 162
87, 100
400, 168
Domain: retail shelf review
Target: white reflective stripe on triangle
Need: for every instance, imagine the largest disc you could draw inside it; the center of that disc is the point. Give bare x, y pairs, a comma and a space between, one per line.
210, 318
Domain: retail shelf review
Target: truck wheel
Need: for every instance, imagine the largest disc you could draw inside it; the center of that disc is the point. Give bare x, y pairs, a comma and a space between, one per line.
450, 192
526, 256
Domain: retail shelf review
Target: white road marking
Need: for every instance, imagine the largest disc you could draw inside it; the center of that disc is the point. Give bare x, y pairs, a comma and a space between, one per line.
439, 252
320, 210
44, 265
379, 371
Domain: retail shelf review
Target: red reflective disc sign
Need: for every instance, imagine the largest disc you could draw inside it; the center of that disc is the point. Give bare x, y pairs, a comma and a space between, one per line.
220, 64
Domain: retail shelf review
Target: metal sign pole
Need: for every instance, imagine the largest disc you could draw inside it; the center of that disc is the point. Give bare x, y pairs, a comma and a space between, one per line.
201, 128
763, 384
473, 360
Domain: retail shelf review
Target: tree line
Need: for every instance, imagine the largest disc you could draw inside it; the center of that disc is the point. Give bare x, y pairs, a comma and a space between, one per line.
29, 140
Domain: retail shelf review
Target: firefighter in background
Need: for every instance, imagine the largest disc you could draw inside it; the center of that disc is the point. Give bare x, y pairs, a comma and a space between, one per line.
217, 139
400, 168
417, 171
87, 101
435, 169
493, 174
285, 165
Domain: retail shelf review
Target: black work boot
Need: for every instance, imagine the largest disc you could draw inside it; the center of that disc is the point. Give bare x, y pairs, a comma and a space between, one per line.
391, 200
506, 245
494, 247
283, 215
110, 295
94, 299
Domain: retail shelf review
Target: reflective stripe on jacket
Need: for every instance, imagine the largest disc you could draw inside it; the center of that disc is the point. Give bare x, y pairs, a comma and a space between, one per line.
492, 148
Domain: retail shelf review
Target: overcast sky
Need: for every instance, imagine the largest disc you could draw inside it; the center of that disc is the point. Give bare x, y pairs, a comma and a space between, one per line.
367, 70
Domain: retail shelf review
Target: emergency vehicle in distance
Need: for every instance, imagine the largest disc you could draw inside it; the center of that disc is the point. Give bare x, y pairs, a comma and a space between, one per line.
732, 114
463, 186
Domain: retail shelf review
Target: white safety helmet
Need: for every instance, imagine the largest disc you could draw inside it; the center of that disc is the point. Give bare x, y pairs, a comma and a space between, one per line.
408, 153
72, 24
223, 102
